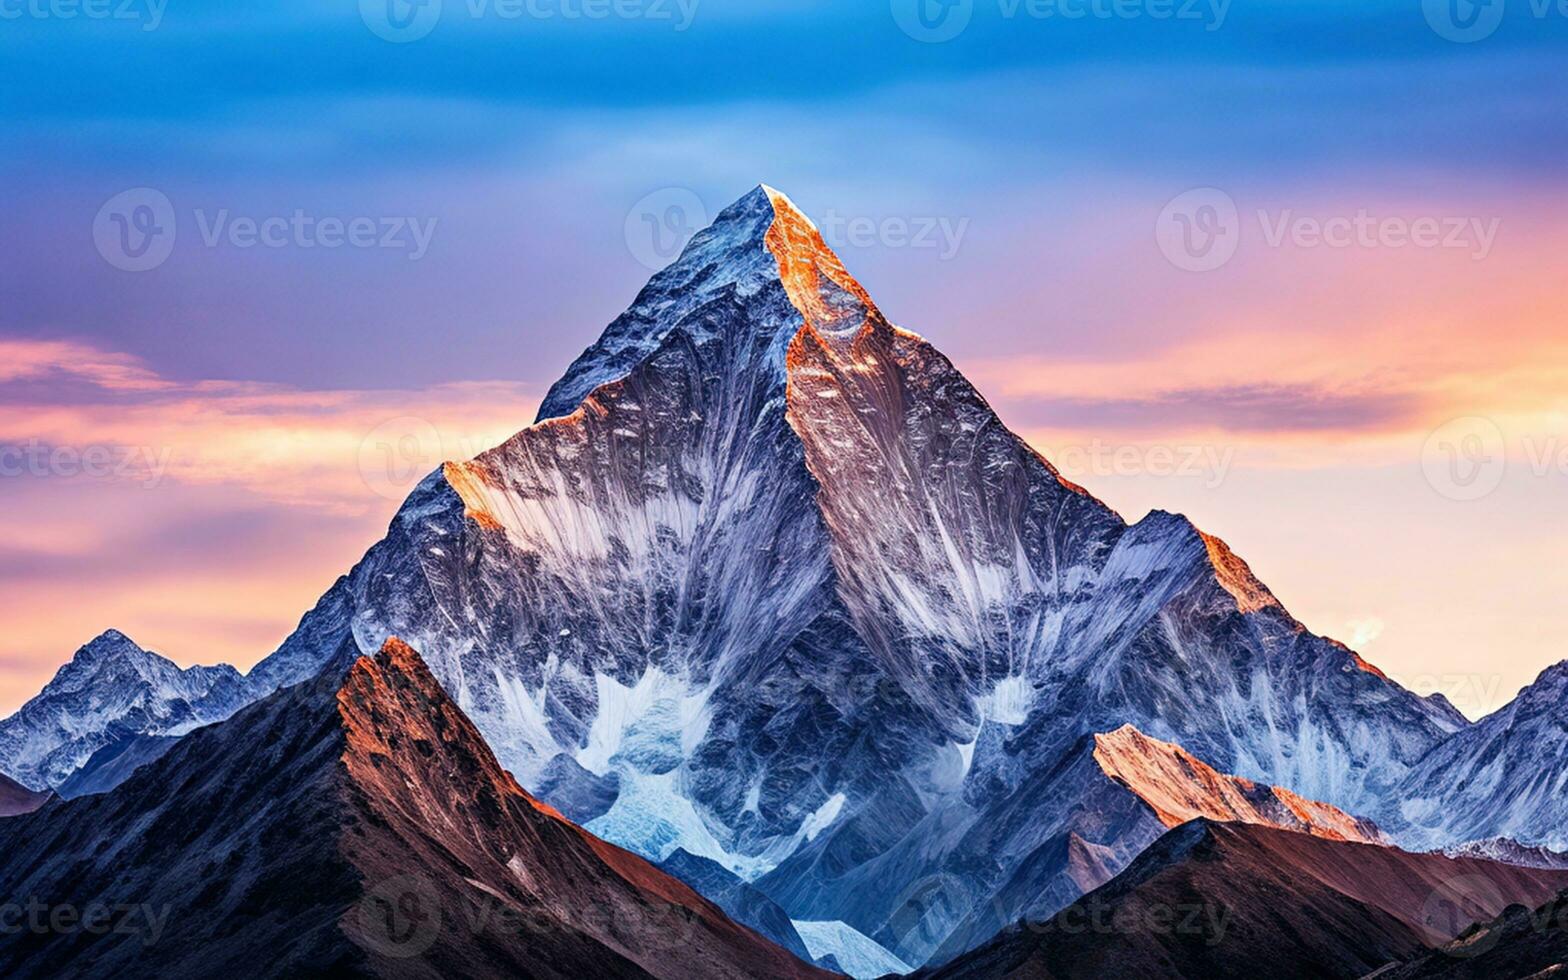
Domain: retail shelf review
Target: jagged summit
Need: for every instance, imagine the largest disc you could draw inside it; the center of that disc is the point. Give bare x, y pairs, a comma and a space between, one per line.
761, 243
110, 688
1506, 775
1180, 787
110, 642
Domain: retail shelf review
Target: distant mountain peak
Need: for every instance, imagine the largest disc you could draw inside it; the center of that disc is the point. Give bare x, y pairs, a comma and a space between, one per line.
111, 642
109, 688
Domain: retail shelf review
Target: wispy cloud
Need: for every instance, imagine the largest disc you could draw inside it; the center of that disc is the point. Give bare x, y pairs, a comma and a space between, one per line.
341, 450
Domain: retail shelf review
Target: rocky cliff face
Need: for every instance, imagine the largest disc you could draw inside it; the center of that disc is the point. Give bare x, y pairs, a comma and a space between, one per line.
790, 597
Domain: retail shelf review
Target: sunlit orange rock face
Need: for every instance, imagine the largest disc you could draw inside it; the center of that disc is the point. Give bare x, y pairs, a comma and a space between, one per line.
1179, 787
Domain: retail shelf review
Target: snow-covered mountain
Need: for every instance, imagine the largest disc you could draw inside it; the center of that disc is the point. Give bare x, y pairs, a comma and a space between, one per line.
111, 689
1506, 850
771, 583
1504, 776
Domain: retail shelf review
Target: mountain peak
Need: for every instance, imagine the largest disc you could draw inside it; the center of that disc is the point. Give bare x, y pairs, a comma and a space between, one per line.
111, 686
761, 250
111, 642
782, 205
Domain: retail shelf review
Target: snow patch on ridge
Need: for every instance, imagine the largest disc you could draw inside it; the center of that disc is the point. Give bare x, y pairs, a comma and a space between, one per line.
1009, 701
654, 724
653, 818
858, 954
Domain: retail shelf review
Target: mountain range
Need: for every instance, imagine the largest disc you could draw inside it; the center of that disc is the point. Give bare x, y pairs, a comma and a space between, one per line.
770, 596
1234, 900
352, 825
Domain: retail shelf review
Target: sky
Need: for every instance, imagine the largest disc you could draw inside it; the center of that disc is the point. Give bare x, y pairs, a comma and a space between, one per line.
1294, 269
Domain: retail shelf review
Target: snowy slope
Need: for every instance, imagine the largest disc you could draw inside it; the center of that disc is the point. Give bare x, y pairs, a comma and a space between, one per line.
1505, 776
855, 953
1179, 788
1509, 851
111, 689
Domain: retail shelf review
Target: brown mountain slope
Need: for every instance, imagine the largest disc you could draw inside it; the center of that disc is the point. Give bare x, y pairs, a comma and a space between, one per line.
16, 798
1237, 900
1517, 945
352, 825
